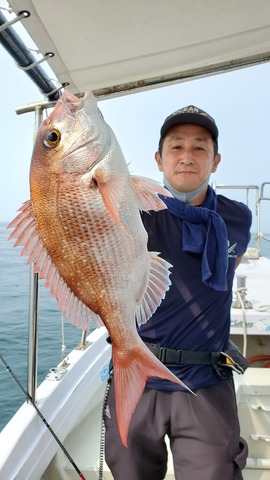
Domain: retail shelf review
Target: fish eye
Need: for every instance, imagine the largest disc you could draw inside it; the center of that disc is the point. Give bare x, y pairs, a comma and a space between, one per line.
52, 138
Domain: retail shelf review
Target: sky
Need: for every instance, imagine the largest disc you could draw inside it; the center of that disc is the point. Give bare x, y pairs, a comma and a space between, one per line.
239, 101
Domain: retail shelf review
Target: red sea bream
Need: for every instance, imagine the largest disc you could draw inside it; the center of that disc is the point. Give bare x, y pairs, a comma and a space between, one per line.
82, 228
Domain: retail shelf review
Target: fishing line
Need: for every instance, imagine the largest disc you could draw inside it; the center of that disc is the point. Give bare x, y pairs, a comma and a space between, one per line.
42, 417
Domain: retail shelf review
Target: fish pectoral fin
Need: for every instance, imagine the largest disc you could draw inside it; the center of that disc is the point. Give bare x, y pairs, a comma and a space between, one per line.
130, 374
146, 191
158, 284
112, 190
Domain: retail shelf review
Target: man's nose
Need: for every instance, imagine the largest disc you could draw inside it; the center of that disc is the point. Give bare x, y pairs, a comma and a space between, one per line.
186, 157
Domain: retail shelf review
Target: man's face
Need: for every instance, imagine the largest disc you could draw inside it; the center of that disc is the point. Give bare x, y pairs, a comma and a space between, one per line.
187, 158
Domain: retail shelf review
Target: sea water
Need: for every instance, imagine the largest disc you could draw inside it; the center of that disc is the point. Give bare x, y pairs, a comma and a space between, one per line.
14, 312
14, 316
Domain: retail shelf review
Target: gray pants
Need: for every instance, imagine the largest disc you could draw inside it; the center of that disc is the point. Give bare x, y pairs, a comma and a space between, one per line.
203, 431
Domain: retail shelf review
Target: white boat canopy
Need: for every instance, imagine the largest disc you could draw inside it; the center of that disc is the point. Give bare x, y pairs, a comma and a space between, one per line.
118, 46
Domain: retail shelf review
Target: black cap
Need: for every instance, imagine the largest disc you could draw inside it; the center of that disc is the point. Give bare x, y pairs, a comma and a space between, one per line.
193, 115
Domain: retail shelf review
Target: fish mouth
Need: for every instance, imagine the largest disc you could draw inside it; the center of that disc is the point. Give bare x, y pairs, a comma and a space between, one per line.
76, 103
70, 105
71, 101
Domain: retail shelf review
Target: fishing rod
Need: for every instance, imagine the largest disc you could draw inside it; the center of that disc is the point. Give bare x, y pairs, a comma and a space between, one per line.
42, 417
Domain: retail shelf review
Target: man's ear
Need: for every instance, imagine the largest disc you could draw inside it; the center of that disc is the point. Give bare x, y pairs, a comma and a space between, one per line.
217, 160
159, 161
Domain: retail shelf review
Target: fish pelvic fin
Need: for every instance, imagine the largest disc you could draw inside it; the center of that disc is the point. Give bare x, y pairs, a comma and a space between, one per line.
130, 376
27, 236
158, 284
146, 191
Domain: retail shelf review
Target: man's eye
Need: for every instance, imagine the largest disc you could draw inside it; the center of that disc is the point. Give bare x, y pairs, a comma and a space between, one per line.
199, 148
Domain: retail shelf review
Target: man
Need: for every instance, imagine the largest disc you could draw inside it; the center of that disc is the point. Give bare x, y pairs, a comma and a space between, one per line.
191, 327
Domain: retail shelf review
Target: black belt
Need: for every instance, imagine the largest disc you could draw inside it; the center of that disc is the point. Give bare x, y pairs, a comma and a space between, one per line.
185, 357
218, 360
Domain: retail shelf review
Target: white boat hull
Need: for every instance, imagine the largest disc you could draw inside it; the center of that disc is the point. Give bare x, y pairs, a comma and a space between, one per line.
27, 447
72, 406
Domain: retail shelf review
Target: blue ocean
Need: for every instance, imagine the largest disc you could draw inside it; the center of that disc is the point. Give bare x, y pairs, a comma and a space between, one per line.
14, 311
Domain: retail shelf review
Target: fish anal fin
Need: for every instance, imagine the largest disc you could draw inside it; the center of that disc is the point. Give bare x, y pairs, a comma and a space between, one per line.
158, 284
146, 191
130, 375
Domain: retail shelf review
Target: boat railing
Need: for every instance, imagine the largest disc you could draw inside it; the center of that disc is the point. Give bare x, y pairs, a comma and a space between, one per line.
260, 196
264, 197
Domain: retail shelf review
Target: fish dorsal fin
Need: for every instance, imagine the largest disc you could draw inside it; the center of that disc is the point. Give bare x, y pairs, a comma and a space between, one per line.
146, 191
27, 236
159, 282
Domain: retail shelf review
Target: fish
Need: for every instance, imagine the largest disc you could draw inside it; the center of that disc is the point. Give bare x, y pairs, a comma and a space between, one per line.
82, 228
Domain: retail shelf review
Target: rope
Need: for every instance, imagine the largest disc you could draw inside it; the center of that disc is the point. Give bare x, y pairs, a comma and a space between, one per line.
102, 432
239, 296
64, 356
42, 417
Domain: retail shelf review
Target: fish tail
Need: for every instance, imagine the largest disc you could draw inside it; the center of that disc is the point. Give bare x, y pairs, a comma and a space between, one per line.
130, 376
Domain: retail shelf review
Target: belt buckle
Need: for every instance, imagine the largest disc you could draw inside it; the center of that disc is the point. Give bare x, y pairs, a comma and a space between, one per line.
162, 354
221, 361
230, 363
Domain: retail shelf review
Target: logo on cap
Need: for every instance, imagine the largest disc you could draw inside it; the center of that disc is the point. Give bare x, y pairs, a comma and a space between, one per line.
190, 109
